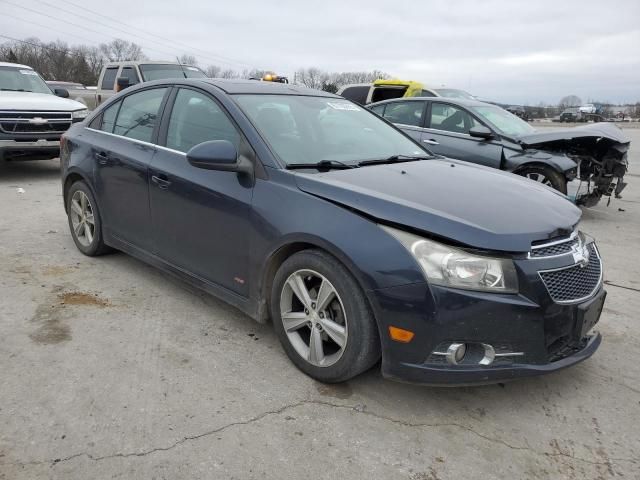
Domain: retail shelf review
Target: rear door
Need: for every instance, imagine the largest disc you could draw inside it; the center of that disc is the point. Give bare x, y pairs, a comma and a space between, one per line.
201, 217
447, 133
408, 115
122, 151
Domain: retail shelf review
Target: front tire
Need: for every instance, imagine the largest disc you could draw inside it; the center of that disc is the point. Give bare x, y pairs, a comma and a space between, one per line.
546, 176
84, 220
322, 318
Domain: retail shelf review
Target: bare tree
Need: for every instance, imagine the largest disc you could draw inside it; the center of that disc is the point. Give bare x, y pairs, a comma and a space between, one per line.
229, 74
570, 101
186, 59
213, 71
120, 50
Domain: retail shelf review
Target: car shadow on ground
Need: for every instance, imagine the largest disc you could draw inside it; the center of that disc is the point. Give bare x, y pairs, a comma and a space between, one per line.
25, 171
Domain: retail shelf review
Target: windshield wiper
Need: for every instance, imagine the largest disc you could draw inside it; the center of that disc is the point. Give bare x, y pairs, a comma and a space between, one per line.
321, 165
396, 159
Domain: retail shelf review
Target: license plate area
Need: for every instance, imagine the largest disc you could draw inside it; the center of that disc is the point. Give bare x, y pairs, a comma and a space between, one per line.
589, 314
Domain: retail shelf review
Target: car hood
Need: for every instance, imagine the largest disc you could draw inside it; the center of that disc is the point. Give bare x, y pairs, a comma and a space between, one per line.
594, 130
37, 102
465, 203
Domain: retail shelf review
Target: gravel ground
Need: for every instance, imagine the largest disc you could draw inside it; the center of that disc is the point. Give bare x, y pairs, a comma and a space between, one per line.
110, 369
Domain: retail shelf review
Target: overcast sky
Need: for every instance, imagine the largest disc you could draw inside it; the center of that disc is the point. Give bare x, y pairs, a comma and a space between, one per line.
504, 50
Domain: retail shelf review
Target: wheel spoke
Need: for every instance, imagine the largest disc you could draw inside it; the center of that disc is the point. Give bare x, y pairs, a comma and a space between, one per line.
83, 201
294, 320
296, 282
78, 228
336, 331
89, 219
325, 295
87, 232
75, 206
316, 351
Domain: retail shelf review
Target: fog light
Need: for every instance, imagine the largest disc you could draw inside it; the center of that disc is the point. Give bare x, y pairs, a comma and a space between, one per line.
456, 352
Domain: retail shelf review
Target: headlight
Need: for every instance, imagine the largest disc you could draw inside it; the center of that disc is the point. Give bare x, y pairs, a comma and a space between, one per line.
453, 267
79, 114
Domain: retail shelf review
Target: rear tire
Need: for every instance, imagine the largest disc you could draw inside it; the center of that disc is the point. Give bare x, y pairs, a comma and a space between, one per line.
546, 176
84, 219
329, 331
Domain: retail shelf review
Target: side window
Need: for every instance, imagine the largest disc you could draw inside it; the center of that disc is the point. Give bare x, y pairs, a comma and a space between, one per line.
197, 118
130, 73
109, 117
139, 114
109, 78
357, 94
379, 109
450, 118
407, 113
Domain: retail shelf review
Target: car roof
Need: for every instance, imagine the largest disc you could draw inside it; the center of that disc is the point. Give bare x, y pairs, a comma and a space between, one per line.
463, 102
18, 65
233, 86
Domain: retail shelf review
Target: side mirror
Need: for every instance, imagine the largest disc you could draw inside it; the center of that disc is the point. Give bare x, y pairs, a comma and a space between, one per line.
219, 155
481, 131
122, 83
61, 92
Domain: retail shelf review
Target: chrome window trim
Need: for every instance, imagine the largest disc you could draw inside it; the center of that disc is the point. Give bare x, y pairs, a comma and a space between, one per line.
577, 300
134, 140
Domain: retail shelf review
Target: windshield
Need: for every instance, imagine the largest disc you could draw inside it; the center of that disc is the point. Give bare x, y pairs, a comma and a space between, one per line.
305, 130
503, 121
161, 72
454, 93
22, 80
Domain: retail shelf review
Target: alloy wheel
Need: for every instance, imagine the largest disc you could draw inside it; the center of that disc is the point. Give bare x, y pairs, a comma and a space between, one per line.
314, 318
82, 218
539, 177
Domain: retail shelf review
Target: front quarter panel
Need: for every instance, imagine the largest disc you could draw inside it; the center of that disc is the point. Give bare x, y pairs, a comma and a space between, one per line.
515, 159
282, 215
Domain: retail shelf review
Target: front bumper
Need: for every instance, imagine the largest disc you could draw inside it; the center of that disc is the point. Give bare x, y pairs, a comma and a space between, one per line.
42, 149
543, 335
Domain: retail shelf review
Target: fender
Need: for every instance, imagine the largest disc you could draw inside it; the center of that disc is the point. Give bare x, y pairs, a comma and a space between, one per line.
560, 162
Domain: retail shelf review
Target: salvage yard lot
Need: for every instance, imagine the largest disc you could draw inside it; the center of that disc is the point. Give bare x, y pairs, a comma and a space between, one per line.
111, 369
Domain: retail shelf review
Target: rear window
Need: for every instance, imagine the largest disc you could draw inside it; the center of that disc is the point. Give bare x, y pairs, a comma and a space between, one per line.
162, 72
357, 94
387, 93
109, 78
131, 74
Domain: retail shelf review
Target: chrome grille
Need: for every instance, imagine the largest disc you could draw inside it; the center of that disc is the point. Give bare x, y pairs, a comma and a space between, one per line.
552, 249
574, 283
34, 122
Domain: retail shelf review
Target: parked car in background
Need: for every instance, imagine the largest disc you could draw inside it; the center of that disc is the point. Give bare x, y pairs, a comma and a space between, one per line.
588, 108
571, 115
116, 76
486, 134
301, 206
77, 92
379, 90
32, 117
518, 111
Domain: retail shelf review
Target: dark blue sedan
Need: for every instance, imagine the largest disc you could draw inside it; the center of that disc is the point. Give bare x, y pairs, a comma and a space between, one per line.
301, 207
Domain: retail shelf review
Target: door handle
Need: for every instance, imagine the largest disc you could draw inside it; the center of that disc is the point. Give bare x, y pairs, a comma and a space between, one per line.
431, 141
102, 158
161, 181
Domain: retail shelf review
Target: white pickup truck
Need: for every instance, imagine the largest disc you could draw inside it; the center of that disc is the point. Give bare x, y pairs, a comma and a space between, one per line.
32, 116
116, 76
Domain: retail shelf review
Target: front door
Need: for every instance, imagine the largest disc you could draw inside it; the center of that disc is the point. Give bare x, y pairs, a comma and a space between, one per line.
122, 151
447, 134
200, 217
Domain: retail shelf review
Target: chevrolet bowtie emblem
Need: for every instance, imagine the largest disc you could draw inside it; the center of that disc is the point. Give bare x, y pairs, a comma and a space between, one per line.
580, 254
38, 121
